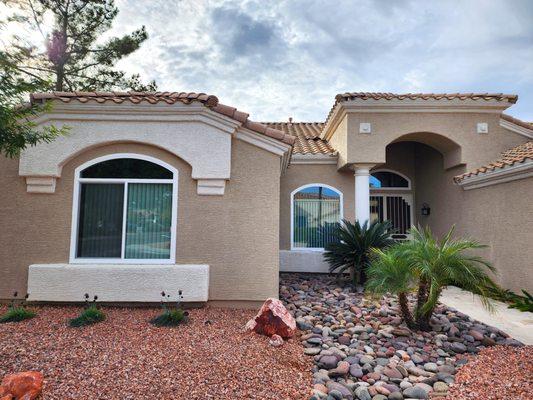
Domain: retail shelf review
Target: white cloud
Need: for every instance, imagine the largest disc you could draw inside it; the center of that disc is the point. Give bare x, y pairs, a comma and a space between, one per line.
290, 58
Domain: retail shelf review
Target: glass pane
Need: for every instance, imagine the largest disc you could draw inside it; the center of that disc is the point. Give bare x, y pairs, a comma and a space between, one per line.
316, 214
386, 179
126, 168
100, 220
148, 221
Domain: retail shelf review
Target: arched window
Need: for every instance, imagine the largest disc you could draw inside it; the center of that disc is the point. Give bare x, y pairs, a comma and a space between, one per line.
124, 211
316, 209
384, 179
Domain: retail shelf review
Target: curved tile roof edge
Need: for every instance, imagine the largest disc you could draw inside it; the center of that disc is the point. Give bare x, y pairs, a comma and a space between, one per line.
341, 97
209, 101
516, 155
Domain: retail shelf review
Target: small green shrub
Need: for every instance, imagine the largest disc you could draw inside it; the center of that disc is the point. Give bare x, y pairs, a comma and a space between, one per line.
90, 315
170, 316
17, 312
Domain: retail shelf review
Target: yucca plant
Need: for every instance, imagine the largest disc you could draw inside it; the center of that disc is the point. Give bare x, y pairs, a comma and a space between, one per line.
431, 264
351, 247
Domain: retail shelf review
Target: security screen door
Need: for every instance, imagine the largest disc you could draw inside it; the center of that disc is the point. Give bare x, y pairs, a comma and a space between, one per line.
396, 208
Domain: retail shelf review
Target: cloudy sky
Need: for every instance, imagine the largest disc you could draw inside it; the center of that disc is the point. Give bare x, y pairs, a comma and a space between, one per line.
276, 59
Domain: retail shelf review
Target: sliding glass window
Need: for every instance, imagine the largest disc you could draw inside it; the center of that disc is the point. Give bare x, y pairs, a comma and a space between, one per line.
126, 211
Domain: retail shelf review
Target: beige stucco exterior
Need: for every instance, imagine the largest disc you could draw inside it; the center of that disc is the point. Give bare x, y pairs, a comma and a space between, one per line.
234, 192
214, 230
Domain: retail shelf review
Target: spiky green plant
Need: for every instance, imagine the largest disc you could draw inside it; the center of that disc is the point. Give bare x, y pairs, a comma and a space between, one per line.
434, 264
173, 317
522, 303
16, 311
90, 315
351, 247
17, 314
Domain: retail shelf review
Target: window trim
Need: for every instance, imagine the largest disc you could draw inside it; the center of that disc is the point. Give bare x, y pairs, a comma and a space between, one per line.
76, 205
384, 189
293, 247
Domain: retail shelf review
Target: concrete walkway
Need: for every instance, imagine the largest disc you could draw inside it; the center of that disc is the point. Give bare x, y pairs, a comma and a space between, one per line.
516, 323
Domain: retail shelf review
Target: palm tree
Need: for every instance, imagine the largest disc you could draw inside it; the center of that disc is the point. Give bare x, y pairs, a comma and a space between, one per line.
433, 264
391, 272
352, 245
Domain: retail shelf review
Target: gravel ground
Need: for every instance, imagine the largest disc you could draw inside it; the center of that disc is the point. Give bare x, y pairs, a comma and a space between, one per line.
362, 350
125, 357
496, 373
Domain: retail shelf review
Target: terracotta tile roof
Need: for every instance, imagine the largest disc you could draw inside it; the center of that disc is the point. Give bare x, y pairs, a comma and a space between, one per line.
307, 136
516, 121
169, 98
518, 154
511, 98
341, 97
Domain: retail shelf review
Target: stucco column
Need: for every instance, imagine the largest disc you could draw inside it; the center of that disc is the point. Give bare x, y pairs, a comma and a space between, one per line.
362, 192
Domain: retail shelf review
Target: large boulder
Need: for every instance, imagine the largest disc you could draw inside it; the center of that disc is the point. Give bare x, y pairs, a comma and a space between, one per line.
273, 319
22, 386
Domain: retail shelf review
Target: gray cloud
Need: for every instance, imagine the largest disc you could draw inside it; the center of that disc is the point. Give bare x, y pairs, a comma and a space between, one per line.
289, 58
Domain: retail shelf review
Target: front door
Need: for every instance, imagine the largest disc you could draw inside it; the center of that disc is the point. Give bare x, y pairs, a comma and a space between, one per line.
396, 208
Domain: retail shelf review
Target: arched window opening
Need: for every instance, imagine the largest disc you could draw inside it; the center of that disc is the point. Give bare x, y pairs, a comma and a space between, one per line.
387, 180
124, 210
316, 211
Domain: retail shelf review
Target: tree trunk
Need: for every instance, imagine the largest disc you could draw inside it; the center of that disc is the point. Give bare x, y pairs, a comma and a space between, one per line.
406, 313
422, 319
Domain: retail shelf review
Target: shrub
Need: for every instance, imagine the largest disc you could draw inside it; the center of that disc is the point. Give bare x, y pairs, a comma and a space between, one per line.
91, 314
17, 312
352, 246
170, 316
429, 265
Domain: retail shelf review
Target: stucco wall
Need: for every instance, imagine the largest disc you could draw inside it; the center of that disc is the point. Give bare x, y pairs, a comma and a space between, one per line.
299, 175
500, 216
216, 230
476, 149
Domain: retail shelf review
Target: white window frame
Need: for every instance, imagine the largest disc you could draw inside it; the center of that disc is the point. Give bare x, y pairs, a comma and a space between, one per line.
76, 205
293, 247
385, 189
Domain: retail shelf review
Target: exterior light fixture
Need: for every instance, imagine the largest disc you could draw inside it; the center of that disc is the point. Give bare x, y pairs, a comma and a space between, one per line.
425, 209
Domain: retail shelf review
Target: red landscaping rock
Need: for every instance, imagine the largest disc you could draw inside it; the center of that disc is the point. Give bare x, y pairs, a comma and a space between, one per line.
22, 386
273, 319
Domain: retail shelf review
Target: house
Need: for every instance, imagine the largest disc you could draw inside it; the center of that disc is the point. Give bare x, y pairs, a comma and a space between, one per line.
175, 191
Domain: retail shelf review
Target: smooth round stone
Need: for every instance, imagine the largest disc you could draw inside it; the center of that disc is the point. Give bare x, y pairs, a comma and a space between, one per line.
356, 371
431, 367
405, 384
335, 394
328, 362
366, 359
312, 351
396, 396
415, 392
345, 340
458, 347
362, 393
379, 397
440, 387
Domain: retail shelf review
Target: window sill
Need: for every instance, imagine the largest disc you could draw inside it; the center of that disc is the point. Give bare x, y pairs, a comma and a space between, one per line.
118, 261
